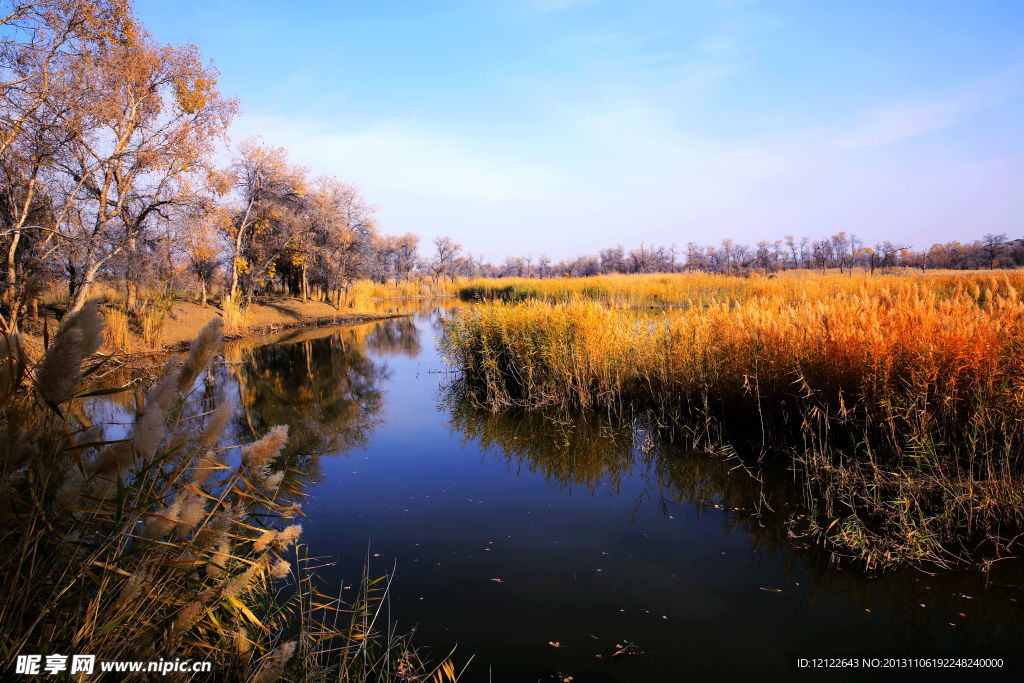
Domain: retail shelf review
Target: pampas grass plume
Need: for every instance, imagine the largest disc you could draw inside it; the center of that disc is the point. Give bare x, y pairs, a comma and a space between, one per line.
263, 451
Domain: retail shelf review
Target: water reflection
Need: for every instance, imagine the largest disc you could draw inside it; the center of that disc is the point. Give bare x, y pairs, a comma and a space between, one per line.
598, 455
455, 496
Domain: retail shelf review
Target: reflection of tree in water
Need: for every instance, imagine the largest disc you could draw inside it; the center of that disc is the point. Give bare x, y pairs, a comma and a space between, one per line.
395, 336
326, 389
569, 452
588, 450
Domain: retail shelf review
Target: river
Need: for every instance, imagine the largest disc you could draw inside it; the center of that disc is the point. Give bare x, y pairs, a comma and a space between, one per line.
544, 546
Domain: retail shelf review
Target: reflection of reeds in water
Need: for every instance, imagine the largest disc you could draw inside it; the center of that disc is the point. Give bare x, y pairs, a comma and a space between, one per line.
163, 545
901, 398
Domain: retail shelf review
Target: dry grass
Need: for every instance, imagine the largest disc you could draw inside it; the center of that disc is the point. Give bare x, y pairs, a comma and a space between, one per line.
901, 398
682, 290
153, 319
164, 543
364, 292
116, 331
234, 315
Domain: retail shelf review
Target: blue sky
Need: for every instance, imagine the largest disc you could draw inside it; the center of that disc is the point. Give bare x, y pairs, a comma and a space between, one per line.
563, 126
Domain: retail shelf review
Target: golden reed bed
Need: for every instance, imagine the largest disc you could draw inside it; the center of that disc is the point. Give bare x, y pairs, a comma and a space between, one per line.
899, 397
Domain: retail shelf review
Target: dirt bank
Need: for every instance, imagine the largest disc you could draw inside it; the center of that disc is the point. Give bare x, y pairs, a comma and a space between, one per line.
187, 319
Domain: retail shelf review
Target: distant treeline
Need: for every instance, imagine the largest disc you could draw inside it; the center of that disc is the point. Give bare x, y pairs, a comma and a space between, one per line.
840, 251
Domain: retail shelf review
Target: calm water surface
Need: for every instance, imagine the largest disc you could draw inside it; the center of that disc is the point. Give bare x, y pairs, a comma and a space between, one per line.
510, 534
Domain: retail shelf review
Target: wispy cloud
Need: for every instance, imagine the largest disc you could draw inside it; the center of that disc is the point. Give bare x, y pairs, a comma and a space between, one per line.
404, 157
910, 118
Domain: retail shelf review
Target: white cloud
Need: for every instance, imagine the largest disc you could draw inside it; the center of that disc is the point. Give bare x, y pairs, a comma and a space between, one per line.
404, 158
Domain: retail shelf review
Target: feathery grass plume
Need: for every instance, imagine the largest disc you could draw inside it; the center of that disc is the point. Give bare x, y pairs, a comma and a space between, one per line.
263, 451
218, 526
161, 523
151, 427
280, 569
199, 354
192, 511
272, 483
217, 566
274, 665
241, 641
215, 425
234, 587
58, 372
264, 540
188, 615
288, 535
132, 588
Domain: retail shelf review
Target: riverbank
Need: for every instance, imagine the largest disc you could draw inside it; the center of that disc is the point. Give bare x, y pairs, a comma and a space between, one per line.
183, 321
186, 319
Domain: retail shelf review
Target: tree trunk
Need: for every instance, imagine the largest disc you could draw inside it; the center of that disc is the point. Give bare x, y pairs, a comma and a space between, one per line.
238, 249
12, 266
82, 291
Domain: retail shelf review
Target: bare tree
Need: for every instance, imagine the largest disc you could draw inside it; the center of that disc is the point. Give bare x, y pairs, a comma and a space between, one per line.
446, 252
